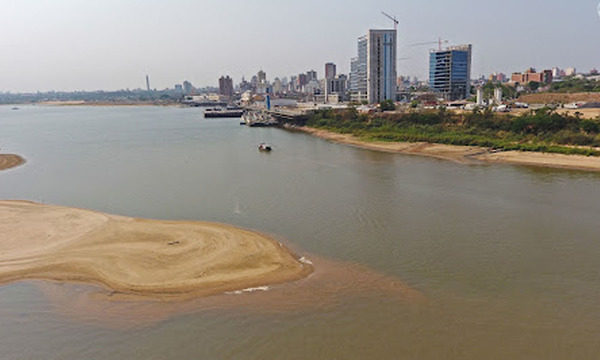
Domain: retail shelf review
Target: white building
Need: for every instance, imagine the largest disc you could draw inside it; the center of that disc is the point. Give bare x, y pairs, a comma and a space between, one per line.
373, 72
381, 65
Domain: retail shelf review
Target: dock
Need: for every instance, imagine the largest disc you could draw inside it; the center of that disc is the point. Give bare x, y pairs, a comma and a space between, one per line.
276, 117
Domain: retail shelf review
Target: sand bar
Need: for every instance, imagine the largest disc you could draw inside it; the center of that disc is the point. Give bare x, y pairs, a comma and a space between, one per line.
465, 154
8, 161
148, 258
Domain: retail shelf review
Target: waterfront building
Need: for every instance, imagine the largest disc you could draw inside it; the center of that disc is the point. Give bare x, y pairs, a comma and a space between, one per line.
311, 75
330, 71
373, 72
358, 68
450, 72
226, 86
381, 65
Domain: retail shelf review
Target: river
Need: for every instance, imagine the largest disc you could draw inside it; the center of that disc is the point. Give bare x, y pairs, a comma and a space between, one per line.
505, 257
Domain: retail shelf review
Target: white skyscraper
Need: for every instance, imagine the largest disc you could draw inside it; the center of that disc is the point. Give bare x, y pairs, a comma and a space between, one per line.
381, 65
373, 71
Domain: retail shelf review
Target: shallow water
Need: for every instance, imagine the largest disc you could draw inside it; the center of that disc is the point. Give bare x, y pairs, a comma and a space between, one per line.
505, 256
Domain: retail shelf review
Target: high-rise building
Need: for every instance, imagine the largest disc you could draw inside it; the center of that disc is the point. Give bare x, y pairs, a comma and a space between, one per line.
187, 88
262, 77
381, 65
373, 72
311, 75
302, 81
293, 84
336, 85
226, 86
358, 72
330, 71
450, 72
147, 83
277, 86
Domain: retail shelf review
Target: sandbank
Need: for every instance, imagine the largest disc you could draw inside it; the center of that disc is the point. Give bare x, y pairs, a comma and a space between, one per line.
146, 258
8, 161
464, 154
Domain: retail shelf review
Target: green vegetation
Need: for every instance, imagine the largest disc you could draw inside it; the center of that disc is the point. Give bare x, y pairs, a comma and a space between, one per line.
387, 105
541, 130
575, 85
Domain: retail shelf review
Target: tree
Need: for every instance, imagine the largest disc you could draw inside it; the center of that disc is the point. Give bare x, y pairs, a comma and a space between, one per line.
387, 105
533, 85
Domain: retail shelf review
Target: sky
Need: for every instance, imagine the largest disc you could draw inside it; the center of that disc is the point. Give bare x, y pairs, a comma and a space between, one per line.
73, 45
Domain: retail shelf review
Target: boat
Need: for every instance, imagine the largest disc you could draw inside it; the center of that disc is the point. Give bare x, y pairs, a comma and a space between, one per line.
15, 108
264, 147
223, 113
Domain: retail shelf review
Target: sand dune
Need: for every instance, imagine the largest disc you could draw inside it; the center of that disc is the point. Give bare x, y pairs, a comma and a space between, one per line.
157, 259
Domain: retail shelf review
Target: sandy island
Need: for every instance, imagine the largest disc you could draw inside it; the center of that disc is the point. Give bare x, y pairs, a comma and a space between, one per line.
464, 154
149, 258
8, 161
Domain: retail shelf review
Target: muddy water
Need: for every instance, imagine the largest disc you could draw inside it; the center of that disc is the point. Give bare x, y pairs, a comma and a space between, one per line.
501, 261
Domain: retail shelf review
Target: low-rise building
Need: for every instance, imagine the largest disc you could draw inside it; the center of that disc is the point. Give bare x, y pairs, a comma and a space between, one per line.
530, 75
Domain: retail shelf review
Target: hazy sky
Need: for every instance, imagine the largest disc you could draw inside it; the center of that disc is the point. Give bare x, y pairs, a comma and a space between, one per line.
112, 44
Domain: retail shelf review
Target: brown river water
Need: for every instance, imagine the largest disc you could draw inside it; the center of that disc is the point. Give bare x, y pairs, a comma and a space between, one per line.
415, 258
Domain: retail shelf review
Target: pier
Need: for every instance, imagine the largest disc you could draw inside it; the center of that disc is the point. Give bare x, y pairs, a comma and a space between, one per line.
275, 117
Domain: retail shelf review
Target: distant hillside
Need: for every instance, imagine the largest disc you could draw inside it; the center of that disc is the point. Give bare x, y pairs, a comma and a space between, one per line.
560, 98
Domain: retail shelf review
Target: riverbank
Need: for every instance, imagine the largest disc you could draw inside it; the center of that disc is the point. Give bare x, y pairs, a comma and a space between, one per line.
8, 161
108, 103
464, 154
137, 257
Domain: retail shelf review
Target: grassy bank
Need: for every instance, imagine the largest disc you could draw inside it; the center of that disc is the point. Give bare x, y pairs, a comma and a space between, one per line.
541, 130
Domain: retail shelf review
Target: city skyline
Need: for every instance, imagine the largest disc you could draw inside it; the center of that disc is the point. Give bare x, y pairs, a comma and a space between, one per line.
70, 46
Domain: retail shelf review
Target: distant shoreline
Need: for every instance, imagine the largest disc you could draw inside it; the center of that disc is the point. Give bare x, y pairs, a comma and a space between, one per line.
464, 154
9, 161
104, 103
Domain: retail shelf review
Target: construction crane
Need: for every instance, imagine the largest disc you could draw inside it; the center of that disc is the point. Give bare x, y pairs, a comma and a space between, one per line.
393, 18
439, 42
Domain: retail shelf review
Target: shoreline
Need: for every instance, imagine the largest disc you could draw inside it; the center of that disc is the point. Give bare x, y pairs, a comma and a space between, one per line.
9, 161
463, 154
138, 258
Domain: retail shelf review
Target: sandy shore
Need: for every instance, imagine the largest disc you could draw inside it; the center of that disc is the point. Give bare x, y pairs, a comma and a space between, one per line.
8, 161
149, 258
465, 154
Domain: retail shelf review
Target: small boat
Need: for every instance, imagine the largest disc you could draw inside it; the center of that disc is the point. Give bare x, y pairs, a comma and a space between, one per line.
264, 147
15, 108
